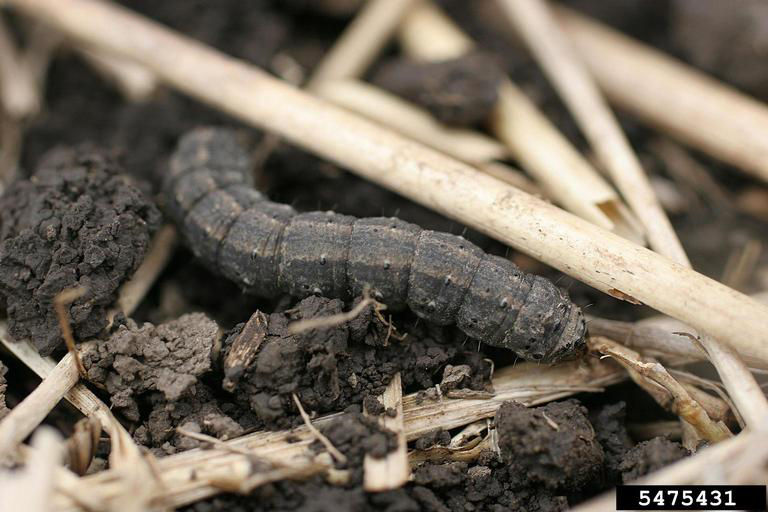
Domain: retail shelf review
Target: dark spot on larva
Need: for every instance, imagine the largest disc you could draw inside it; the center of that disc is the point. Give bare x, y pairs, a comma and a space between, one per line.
323, 259
447, 279
431, 306
387, 264
504, 303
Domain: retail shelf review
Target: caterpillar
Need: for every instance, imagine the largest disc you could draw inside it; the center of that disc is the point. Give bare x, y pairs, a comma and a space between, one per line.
270, 249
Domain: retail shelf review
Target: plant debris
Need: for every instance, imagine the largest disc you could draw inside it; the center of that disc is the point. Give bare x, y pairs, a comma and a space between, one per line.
77, 222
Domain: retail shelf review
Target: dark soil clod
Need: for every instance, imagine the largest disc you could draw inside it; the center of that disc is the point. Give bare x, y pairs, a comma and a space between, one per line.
649, 456
460, 91
168, 358
77, 221
554, 445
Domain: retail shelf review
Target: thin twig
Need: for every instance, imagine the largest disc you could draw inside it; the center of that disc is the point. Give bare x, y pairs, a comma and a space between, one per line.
554, 53
199, 436
63, 299
410, 120
579, 248
18, 94
133, 291
340, 457
326, 322
134, 81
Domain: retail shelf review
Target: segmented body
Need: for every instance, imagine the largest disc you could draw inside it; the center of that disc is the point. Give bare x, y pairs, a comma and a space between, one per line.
270, 249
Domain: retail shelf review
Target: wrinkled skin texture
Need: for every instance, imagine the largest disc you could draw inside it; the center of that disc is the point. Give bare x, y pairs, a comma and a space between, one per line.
269, 249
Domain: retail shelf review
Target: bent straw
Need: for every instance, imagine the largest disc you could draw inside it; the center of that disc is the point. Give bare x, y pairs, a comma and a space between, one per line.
578, 248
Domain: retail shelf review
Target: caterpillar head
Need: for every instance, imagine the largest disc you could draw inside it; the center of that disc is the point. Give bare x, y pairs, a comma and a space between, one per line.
568, 342
548, 327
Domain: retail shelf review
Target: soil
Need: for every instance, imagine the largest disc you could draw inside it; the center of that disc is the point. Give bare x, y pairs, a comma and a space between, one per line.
172, 372
77, 222
553, 446
458, 92
168, 358
611, 432
742, 23
348, 365
649, 456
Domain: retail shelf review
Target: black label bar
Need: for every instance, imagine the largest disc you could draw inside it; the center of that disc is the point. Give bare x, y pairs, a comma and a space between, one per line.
691, 497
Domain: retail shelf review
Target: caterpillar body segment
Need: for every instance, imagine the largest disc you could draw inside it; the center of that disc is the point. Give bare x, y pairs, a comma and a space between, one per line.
270, 249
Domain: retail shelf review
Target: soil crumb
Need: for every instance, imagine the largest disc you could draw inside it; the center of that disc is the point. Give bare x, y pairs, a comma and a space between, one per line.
554, 445
3, 387
77, 221
649, 456
331, 369
611, 431
168, 358
356, 436
459, 92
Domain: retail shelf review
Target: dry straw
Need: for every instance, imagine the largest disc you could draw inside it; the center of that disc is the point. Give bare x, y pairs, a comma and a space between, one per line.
428, 34
673, 97
554, 52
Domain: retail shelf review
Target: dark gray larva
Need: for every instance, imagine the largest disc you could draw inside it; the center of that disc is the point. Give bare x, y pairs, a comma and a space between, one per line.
269, 249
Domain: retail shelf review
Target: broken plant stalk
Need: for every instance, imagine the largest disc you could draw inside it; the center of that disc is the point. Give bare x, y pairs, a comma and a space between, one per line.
393, 470
19, 94
27, 415
554, 53
668, 392
389, 110
583, 250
